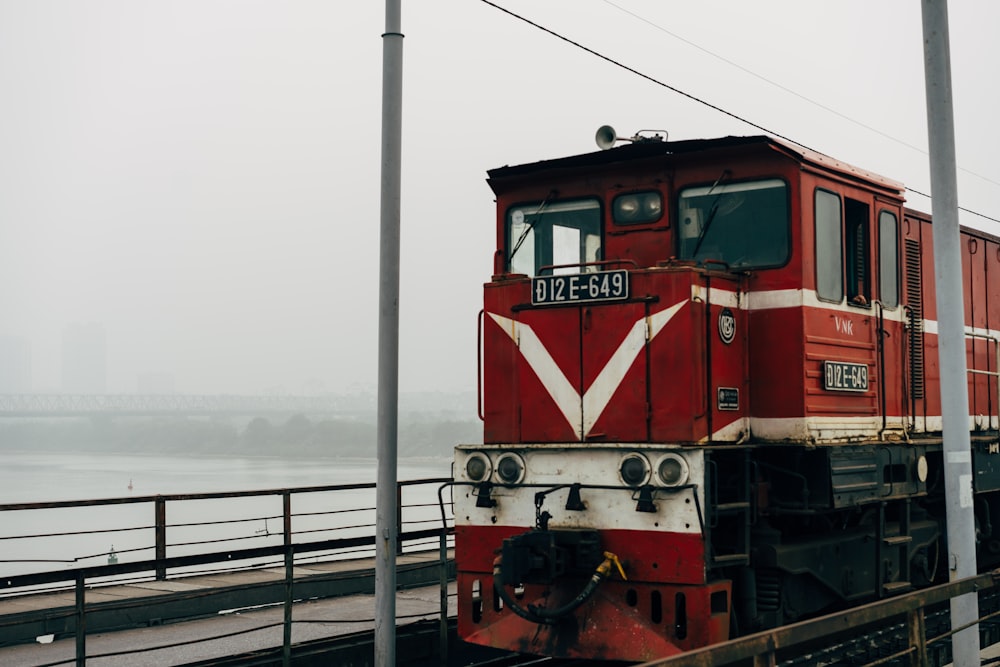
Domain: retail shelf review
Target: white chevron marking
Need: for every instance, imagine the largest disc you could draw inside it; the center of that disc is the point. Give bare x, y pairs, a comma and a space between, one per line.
583, 413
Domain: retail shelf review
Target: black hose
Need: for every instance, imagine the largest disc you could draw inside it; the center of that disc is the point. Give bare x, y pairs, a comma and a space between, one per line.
543, 615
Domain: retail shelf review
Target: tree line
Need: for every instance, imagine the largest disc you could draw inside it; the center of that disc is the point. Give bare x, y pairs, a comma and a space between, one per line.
298, 435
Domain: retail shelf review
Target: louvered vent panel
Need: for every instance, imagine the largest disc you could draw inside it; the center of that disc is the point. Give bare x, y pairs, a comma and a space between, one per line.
914, 299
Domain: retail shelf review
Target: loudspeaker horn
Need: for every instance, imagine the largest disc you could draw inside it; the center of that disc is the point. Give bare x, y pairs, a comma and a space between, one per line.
606, 137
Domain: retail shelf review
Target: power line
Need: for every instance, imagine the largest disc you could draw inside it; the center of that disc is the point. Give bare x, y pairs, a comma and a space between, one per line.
714, 107
769, 81
802, 97
646, 76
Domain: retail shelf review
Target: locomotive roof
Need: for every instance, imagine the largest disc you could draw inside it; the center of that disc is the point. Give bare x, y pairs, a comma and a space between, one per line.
650, 149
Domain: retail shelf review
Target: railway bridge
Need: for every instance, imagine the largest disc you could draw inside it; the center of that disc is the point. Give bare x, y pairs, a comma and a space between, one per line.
24, 406
286, 576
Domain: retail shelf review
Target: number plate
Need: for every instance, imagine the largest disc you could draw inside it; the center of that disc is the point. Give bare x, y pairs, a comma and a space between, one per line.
843, 376
729, 398
580, 288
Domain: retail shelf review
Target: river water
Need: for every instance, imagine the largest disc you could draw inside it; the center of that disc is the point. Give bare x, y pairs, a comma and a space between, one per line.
46, 476
193, 525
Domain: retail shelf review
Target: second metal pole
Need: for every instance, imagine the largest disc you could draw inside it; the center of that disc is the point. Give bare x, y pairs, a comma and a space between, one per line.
951, 328
388, 340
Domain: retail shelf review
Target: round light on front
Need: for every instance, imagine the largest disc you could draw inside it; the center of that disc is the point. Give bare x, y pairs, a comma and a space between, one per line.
634, 470
672, 470
510, 468
653, 205
922, 468
637, 208
628, 206
478, 467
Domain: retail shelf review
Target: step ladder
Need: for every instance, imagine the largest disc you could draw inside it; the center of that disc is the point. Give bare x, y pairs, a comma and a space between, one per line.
884, 546
738, 506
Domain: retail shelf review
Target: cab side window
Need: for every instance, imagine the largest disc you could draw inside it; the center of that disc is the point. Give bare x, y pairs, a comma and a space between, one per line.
829, 243
843, 249
888, 259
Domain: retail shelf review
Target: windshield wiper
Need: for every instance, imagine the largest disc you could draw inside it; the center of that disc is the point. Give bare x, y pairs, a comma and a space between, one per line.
711, 213
535, 217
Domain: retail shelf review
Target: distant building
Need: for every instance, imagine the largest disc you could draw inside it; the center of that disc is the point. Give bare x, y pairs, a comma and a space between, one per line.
84, 359
15, 365
154, 384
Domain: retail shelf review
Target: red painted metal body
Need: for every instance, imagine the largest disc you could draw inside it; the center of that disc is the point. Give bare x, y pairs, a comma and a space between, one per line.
796, 383
661, 396
642, 611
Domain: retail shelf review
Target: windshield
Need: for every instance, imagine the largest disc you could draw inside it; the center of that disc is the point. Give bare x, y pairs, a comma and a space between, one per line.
553, 233
742, 224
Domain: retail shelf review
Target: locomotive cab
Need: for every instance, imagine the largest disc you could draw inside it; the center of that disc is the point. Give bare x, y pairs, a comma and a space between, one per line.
590, 271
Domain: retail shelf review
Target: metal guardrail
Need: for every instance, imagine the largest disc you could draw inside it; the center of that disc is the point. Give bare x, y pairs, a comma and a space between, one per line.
159, 526
410, 529
765, 648
760, 649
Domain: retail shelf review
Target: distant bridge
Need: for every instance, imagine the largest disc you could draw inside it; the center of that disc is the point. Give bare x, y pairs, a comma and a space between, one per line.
163, 405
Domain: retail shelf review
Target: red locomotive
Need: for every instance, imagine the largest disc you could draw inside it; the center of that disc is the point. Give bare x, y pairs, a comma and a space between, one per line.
710, 399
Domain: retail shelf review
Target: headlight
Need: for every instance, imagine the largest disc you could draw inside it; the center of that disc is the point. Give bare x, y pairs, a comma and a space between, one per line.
652, 206
510, 468
478, 467
627, 207
672, 470
637, 207
634, 469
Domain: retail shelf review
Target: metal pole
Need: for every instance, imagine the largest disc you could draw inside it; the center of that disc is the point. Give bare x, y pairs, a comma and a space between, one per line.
160, 521
951, 327
81, 622
286, 531
917, 637
388, 340
443, 597
399, 519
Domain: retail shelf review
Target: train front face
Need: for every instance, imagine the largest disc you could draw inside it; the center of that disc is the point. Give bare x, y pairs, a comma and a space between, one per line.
606, 368
591, 551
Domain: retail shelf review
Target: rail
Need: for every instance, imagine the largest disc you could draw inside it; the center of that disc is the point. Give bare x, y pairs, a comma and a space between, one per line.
338, 520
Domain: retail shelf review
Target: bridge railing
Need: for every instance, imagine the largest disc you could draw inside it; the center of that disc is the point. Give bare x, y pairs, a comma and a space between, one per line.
911, 629
316, 523
109, 539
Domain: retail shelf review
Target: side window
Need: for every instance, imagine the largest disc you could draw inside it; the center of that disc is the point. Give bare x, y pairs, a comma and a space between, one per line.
857, 250
829, 268
888, 260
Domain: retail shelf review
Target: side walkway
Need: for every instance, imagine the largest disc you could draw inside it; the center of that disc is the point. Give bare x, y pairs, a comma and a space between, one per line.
208, 640
151, 603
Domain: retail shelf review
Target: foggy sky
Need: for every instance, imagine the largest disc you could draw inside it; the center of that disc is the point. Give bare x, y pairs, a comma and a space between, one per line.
201, 177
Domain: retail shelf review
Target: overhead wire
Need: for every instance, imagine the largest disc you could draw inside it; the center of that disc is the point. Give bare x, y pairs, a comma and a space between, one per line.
786, 89
715, 107
649, 78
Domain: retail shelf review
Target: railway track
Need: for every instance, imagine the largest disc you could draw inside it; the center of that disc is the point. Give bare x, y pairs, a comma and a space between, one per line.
418, 644
882, 642
530, 661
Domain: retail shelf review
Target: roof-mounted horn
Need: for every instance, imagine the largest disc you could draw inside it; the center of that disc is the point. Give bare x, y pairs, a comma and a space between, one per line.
607, 137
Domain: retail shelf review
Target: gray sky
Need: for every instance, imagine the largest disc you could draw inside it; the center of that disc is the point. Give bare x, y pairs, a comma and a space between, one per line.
202, 176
